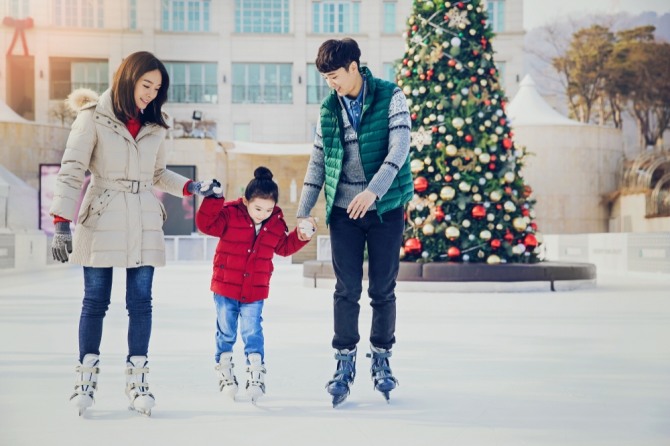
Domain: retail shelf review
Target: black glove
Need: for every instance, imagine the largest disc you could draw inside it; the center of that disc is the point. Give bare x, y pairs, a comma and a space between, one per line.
209, 188
61, 245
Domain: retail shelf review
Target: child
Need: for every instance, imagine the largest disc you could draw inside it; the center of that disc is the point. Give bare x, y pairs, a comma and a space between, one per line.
250, 230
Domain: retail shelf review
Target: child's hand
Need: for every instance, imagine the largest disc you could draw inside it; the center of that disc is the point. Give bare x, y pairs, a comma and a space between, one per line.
306, 229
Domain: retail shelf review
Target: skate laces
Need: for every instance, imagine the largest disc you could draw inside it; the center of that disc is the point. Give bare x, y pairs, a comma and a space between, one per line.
380, 369
346, 367
256, 371
225, 371
86, 385
137, 384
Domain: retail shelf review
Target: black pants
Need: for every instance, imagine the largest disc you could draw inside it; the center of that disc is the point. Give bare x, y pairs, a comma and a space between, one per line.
348, 239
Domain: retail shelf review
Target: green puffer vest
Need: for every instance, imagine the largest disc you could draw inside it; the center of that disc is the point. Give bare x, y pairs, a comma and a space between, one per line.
373, 139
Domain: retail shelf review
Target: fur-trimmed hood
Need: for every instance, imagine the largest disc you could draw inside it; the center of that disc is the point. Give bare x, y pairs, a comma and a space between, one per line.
80, 98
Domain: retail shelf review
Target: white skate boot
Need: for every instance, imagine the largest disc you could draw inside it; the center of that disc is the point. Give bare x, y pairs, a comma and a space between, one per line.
137, 387
255, 377
86, 383
227, 380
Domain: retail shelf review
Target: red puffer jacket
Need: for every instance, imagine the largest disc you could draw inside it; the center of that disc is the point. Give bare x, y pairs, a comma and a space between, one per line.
243, 261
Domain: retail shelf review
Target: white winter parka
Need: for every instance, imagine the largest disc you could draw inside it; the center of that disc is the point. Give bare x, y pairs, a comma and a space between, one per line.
120, 222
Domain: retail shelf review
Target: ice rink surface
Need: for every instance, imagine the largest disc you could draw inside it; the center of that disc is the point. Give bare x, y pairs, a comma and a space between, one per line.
583, 367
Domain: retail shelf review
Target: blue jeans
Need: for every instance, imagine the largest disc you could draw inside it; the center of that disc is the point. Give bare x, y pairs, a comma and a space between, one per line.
97, 296
228, 312
348, 239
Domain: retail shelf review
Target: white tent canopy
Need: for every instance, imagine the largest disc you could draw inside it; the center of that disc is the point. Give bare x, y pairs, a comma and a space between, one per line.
529, 108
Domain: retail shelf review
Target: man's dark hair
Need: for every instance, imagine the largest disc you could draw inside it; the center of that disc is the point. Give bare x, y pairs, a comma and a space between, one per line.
335, 54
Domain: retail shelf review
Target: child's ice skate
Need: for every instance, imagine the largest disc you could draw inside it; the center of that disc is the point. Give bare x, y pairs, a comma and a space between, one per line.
227, 379
256, 377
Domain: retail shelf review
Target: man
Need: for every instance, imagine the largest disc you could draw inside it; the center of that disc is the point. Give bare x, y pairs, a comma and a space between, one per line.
361, 154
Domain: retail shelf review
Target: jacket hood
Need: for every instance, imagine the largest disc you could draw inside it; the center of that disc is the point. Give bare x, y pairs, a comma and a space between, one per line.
80, 98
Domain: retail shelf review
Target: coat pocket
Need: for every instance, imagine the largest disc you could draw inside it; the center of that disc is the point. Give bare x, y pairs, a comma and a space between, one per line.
94, 205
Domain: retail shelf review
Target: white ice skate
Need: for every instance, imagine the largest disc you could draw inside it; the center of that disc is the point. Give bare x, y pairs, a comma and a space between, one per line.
86, 383
255, 377
137, 387
227, 380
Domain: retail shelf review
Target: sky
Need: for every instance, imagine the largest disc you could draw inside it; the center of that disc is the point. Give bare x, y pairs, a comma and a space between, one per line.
540, 12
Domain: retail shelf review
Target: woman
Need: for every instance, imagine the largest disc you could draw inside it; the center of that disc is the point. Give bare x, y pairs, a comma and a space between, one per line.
119, 138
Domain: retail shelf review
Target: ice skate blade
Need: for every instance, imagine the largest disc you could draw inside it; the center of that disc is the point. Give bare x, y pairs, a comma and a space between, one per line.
339, 399
146, 413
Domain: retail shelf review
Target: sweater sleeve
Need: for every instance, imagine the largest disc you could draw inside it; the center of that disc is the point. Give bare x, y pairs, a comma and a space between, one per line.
398, 150
314, 178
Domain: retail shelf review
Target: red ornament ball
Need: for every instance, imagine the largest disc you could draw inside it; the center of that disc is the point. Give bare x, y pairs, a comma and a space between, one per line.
468, 138
530, 241
420, 184
495, 243
479, 211
453, 252
413, 246
439, 214
507, 143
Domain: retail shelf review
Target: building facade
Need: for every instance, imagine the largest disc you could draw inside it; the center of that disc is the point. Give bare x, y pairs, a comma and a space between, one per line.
239, 69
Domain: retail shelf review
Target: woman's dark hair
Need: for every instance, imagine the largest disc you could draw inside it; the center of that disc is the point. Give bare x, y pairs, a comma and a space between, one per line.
335, 54
262, 186
126, 77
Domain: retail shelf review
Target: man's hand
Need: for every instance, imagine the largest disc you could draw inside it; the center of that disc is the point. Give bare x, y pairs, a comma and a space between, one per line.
61, 245
360, 204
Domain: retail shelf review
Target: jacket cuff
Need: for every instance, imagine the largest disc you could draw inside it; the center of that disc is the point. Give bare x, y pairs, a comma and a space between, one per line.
185, 191
59, 219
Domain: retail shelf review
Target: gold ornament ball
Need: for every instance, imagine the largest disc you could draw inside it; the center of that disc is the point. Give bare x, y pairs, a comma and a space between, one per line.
484, 158
509, 177
452, 233
509, 206
432, 197
451, 150
464, 187
493, 260
428, 229
447, 193
485, 235
457, 123
519, 224
416, 166
495, 196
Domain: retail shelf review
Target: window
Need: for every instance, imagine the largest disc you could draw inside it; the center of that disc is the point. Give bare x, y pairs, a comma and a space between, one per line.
335, 16
262, 83
192, 82
19, 9
79, 13
132, 14
182, 15
262, 16
389, 18
317, 88
496, 15
388, 72
67, 75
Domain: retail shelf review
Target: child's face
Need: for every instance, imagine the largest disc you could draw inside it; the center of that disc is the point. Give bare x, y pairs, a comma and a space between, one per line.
259, 208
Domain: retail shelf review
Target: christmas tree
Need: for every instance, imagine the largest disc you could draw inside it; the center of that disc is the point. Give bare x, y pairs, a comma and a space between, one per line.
470, 203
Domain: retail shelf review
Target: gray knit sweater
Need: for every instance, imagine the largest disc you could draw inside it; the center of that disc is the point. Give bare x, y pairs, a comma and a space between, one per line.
352, 180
